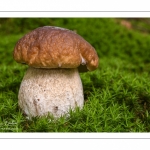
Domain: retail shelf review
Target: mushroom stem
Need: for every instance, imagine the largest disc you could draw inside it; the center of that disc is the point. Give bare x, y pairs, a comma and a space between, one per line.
50, 90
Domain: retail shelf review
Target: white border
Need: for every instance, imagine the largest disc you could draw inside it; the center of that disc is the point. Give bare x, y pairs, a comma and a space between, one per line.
74, 8
74, 5
67, 141
100, 135
67, 14
78, 144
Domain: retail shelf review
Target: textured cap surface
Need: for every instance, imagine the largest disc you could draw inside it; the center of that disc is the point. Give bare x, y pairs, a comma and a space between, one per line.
54, 47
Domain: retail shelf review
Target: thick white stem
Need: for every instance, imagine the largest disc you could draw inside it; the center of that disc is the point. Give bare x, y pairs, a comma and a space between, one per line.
50, 90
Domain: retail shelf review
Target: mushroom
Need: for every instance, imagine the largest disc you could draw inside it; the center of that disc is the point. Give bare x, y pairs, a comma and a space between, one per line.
55, 57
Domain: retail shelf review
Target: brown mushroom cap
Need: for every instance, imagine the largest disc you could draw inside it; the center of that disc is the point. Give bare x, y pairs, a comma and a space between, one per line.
54, 47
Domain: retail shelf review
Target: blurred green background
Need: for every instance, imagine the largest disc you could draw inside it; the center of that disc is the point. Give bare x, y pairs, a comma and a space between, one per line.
118, 92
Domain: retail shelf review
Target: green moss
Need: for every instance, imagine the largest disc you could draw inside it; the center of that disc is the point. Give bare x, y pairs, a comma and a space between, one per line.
117, 94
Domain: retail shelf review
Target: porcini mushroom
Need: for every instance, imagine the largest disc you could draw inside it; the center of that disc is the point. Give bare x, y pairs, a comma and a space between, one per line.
52, 83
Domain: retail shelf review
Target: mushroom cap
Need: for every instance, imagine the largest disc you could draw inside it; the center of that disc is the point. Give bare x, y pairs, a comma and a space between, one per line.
55, 47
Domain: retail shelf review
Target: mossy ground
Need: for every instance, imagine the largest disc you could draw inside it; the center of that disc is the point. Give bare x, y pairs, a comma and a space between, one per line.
117, 94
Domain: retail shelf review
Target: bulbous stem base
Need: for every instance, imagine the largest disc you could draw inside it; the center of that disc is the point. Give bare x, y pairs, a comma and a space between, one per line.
53, 91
